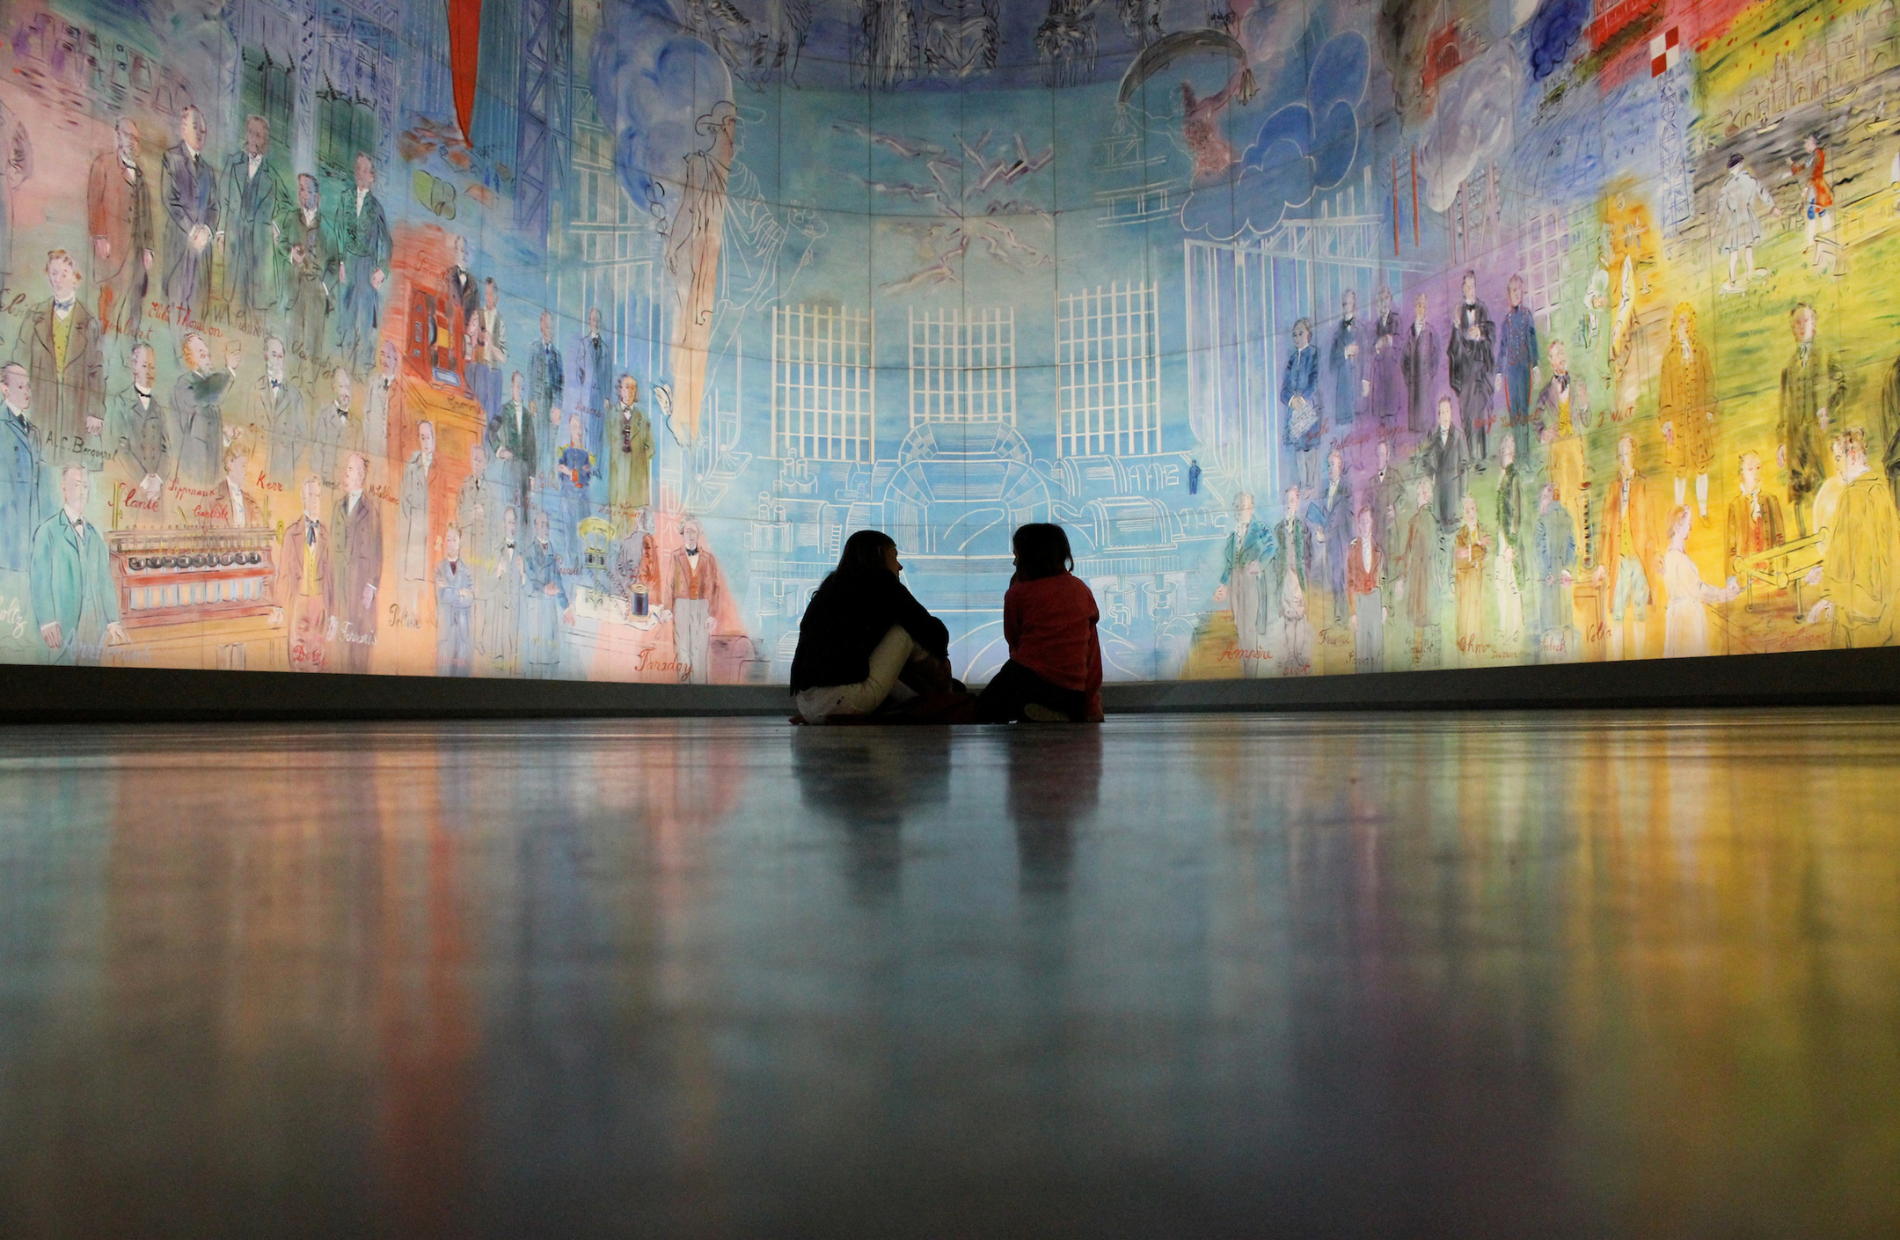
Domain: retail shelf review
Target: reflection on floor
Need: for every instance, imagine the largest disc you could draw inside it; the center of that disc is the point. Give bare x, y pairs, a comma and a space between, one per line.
1514, 975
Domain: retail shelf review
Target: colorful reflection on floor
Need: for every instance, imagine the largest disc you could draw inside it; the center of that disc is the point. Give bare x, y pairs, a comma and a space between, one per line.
1476, 976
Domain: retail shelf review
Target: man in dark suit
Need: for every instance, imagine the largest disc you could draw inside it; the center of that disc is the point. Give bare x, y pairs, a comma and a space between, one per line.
511, 437
142, 442
356, 568
59, 342
1441, 458
22, 471
361, 236
74, 598
254, 199
311, 298
1330, 514
198, 437
119, 217
190, 194
464, 291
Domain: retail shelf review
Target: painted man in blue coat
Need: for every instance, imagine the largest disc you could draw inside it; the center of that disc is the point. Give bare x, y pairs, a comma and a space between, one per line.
74, 598
1299, 393
22, 472
454, 609
1517, 359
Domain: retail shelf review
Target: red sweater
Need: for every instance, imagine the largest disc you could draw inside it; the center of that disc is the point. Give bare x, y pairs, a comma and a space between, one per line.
1049, 624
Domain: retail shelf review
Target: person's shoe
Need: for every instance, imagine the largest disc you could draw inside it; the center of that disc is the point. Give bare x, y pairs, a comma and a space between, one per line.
1044, 714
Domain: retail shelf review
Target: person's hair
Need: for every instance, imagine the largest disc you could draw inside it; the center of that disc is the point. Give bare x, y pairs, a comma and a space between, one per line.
1677, 516
1735, 160
1741, 462
145, 346
305, 176
1799, 308
74, 468
233, 452
1042, 550
60, 256
184, 346
1302, 325
1854, 442
864, 551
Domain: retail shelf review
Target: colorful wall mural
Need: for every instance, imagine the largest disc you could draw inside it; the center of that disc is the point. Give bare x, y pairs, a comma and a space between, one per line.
571, 338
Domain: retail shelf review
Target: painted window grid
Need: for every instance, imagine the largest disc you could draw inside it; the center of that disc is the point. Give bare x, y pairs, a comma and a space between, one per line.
1107, 353
823, 384
963, 365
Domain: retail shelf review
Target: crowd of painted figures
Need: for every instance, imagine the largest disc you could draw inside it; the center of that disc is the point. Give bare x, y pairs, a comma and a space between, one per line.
174, 276
1391, 560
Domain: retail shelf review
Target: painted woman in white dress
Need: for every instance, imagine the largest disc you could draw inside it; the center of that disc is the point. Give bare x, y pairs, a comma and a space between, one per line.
1686, 623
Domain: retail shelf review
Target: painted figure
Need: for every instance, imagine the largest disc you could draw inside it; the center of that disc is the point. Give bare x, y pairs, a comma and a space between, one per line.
1687, 409
547, 377
500, 597
1419, 366
413, 508
1818, 198
1859, 574
16, 167
312, 295
1441, 458
1754, 516
1470, 365
1517, 362
1352, 380
464, 291
1625, 538
60, 343
119, 218
360, 234
486, 347
1242, 584
1291, 559
1883, 442
356, 527
592, 360
1330, 514
454, 606
305, 585
75, 600
1469, 548
382, 399
1739, 224
254, 204
511, 435
1563, 413
478, 509
629, 455
1365, 570
1556, 555
279, 418
1686, 618
198, 433
190, 197
1812, 385
335, 433
140, 431
1418, 568
697, 598
232, 505
545, 606
1388, 380
1299, 393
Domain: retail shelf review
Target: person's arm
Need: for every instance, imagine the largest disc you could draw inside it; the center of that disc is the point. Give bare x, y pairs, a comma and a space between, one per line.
1094, 712
1013, 617
929, 632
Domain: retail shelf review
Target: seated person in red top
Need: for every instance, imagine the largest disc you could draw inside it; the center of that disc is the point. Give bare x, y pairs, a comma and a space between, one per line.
864, 638
1054, 673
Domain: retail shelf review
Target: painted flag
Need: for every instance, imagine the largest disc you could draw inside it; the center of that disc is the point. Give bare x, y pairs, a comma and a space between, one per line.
1664, 51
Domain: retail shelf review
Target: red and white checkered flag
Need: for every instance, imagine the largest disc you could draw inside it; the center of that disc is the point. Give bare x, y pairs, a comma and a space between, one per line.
1664, 51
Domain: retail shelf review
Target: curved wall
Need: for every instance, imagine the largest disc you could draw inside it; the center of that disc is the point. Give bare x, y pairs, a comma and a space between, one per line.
941, 268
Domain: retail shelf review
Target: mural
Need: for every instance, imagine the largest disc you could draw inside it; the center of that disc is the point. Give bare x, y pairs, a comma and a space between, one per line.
571, 338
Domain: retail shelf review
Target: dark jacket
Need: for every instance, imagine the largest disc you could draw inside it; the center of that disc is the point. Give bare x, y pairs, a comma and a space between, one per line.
848, 617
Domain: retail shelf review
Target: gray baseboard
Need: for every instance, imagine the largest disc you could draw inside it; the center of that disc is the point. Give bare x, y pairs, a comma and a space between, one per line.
92, 695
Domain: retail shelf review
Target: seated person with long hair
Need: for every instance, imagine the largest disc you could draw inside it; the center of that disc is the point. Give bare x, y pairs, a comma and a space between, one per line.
863, 634
1054, 673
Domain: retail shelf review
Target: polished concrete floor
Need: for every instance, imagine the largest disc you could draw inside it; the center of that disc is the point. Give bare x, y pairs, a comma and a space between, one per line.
1217, 976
